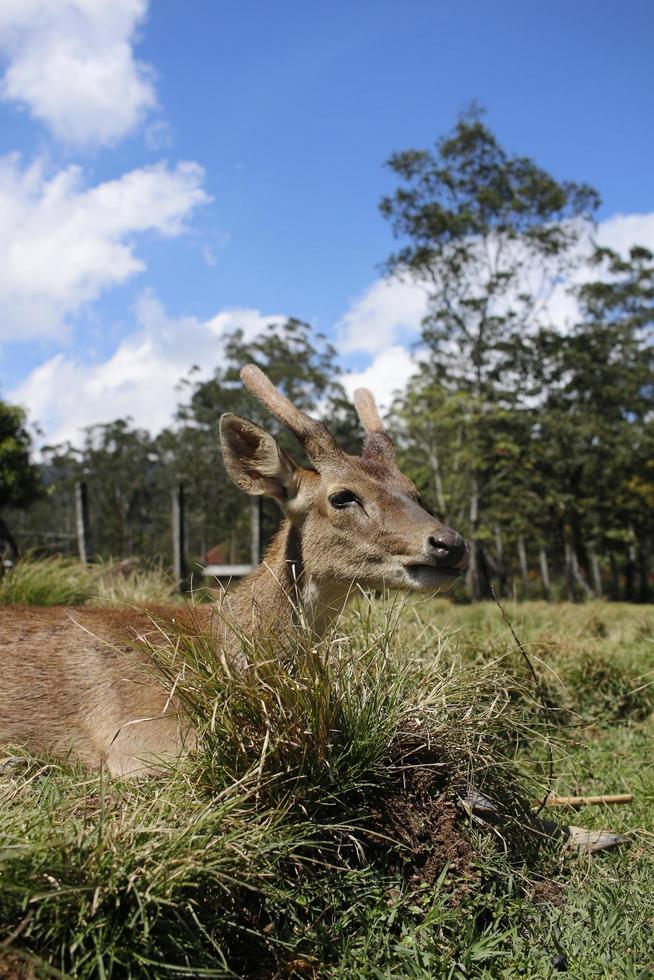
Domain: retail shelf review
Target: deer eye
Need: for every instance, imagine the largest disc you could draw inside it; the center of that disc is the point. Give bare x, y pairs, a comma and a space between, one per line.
343, 498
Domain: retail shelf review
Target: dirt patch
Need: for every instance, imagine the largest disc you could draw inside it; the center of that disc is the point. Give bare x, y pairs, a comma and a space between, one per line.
423, 816
13, 967
547, 892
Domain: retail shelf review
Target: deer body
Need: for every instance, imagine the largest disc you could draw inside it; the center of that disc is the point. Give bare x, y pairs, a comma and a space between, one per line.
80, 682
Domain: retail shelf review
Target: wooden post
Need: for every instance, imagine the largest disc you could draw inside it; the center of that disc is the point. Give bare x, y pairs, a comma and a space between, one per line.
545, 573
179, 535
82, 522
255, 531
524, 569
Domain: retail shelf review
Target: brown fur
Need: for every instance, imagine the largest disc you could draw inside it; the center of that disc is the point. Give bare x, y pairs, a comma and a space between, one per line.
80, 682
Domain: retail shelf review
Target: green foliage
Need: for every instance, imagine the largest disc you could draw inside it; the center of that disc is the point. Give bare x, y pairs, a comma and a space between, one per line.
477, 218
19, 478
478, 222
519, 434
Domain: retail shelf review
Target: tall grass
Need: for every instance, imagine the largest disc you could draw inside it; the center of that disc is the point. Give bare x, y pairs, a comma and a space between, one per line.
56, 581
62, 581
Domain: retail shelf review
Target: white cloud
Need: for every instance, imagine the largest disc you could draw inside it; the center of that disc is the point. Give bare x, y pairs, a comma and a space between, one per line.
387, 373
391, 310
621, 231
63, 244
72, 64
388, 309
65, 394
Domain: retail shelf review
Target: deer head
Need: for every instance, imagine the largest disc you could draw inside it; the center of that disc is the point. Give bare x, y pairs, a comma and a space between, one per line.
359, 518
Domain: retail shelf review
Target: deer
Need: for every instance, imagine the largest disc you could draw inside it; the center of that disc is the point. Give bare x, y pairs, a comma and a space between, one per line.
78, 682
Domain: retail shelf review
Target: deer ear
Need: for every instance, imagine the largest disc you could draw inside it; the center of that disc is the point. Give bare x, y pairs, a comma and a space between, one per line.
254, 461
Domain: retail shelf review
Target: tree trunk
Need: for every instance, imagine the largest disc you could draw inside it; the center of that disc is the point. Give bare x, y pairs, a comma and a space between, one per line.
569, 577
630, 574
501, 567
434, 464
644, 591
615, 577
578, 577
545, 573
478, 577
478, 570
524, 568
596, 574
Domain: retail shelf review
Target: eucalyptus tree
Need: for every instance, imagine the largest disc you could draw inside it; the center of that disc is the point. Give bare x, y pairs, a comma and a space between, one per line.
593, 450
489, 234
122, 467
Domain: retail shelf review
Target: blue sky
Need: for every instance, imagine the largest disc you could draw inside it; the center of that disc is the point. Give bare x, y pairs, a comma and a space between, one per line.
124, 264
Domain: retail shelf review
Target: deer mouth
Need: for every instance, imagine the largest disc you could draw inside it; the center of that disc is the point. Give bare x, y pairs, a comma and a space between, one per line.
424, 575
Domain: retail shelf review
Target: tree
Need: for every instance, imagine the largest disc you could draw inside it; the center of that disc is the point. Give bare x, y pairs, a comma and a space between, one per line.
489, 235
20, 482
129, 503
593, 449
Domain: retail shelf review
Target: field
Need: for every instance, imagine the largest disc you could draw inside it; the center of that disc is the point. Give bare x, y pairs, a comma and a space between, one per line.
318, 829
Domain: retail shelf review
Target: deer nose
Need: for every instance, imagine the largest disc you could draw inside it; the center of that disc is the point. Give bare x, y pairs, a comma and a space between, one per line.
447, 547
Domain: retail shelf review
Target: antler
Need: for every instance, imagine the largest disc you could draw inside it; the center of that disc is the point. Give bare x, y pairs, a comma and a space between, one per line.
318, 442
376, 442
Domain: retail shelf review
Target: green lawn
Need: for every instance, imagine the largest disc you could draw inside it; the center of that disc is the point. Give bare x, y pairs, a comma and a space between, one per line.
316, 831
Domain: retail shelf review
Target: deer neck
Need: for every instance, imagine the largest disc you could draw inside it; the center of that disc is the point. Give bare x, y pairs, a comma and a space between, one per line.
281, 591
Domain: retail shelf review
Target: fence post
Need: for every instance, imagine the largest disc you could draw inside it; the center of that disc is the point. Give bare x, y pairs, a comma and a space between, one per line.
255, 531
179, 535
82, 522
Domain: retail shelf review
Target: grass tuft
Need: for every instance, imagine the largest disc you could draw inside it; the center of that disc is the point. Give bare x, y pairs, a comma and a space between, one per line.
62, 581
55, 581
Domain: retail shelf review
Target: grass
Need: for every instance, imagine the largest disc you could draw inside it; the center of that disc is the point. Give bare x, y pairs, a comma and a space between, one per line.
62, 581
315, 831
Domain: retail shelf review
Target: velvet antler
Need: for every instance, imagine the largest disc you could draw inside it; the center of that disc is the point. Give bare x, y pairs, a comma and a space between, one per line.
375, 442
318, 442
